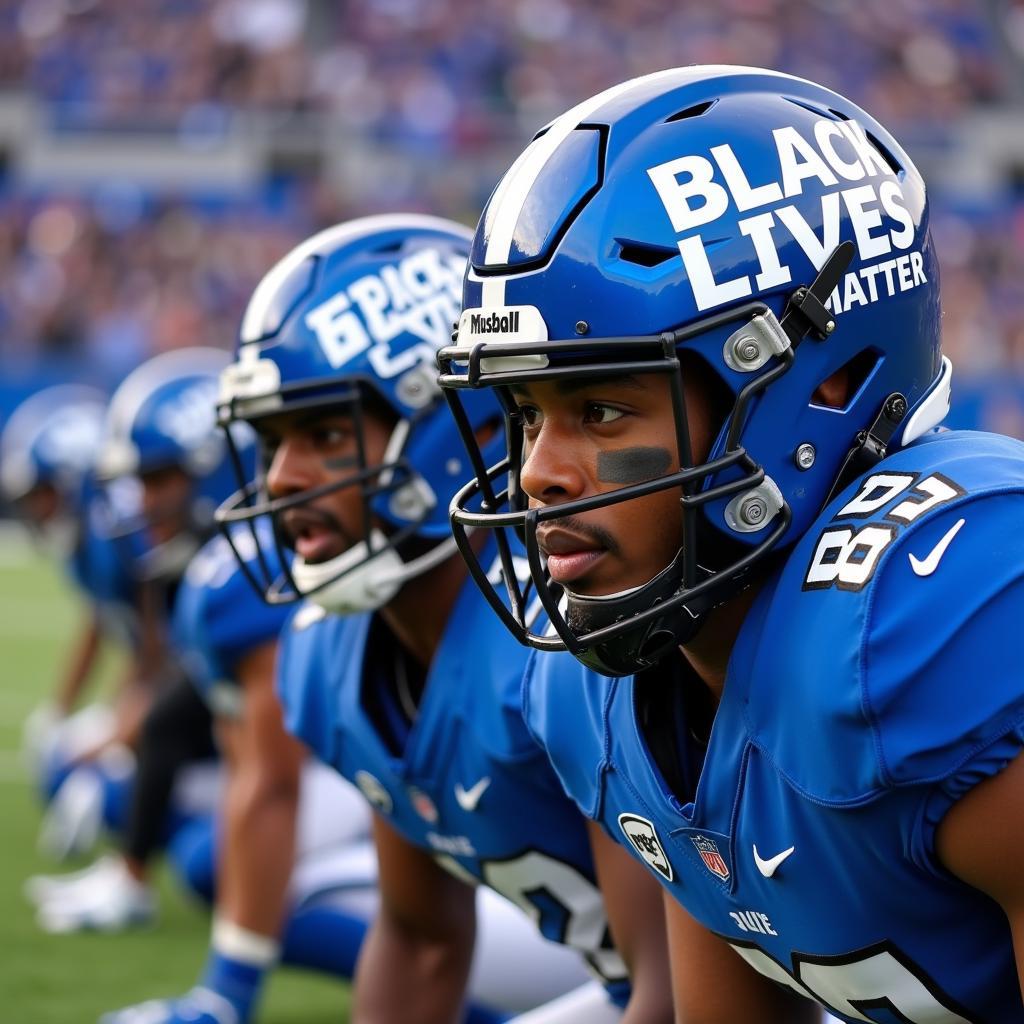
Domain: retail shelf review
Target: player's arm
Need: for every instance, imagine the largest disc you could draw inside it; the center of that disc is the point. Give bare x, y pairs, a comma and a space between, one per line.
414, 964
632, 899
255, 859
713, 985
260, 803
147, 672
79, 665
40, 728
981, 841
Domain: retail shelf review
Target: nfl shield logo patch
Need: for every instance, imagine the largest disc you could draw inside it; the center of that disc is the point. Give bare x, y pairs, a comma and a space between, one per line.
713, 860
425, 807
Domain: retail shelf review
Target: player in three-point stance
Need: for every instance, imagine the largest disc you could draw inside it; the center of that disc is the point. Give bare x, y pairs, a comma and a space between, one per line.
394, 670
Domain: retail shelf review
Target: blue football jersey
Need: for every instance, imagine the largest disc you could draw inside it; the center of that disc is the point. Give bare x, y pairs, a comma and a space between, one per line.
464, 780
101, 570
876, 679
219, 617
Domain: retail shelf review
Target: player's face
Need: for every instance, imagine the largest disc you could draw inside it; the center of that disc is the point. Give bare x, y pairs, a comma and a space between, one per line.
40, 505
165, 500
316, 449
584, 438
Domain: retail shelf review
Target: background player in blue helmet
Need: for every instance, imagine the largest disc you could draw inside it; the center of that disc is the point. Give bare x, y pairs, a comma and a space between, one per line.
161, 432
283, 843
709, 300
415, 695
47, 451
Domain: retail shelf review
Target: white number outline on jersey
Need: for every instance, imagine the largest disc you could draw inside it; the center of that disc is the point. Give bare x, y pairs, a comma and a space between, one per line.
878, 977
846, 556
537, 883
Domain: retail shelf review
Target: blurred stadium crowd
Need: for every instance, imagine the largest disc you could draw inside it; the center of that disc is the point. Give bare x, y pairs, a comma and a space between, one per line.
97, 273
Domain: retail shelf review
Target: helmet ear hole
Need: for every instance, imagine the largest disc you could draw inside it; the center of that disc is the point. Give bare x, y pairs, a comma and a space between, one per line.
839, 389
703, 386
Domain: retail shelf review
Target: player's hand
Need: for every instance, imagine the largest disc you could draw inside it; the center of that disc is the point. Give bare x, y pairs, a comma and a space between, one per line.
200, 1006
227, 994
72, 822
40, 733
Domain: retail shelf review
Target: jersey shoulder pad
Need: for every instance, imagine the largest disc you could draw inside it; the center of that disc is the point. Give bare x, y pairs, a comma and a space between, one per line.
100, 564
881, 656
218, 611
566, 706
317, 653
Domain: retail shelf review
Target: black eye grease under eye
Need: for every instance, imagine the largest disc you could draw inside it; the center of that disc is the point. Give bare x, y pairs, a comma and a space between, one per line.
632, 465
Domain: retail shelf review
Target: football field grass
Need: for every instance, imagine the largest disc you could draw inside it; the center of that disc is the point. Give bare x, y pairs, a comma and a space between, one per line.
72, 979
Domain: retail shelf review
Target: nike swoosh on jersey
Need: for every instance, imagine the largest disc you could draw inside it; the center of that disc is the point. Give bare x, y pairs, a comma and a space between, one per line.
469, 798
928, 565
769, 866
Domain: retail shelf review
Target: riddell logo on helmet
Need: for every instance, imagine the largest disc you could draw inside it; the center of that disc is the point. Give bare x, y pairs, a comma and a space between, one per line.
692, 191
494, 324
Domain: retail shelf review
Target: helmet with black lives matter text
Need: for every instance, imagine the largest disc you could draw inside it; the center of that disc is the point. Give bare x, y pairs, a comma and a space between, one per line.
745, 220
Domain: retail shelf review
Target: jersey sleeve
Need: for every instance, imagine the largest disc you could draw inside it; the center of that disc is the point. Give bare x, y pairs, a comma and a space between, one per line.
564, 708
219, 616
941, 664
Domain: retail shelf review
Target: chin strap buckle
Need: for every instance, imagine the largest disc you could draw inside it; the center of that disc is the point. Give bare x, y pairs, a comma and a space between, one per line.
806, 312
871, 445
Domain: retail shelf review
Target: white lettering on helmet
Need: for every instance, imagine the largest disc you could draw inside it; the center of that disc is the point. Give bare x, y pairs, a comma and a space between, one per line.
691, 191
420, 296
190, 416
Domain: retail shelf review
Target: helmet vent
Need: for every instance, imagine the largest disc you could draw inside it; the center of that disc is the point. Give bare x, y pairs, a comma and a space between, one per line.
897, 167
643, 254
695, 111
821, 111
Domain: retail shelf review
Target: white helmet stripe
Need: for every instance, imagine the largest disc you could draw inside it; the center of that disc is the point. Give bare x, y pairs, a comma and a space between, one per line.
510, 196
134, 391
330, 238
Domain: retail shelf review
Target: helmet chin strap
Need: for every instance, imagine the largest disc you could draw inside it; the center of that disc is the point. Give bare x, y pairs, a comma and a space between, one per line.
366, 577
641, 647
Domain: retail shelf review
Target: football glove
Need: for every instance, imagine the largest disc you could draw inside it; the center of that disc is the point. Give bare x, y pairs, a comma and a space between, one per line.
227, 994
200, 1006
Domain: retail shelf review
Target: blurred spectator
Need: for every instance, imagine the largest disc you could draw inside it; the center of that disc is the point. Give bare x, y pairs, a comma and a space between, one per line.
458, 72
106, 279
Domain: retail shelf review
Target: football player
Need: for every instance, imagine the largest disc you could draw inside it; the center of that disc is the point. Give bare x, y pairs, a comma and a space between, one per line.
47, 455
710, 303
161, 431
394, 671
288, 831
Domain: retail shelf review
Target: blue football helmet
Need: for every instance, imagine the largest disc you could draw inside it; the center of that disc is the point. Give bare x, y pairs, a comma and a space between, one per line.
753, 228
50, 441
164, 414
356, 314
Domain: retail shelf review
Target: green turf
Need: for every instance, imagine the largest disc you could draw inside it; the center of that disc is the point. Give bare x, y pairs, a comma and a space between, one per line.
72, 979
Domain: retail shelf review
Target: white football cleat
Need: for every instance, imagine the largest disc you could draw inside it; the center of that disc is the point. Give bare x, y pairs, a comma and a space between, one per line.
40, 888
109, 899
